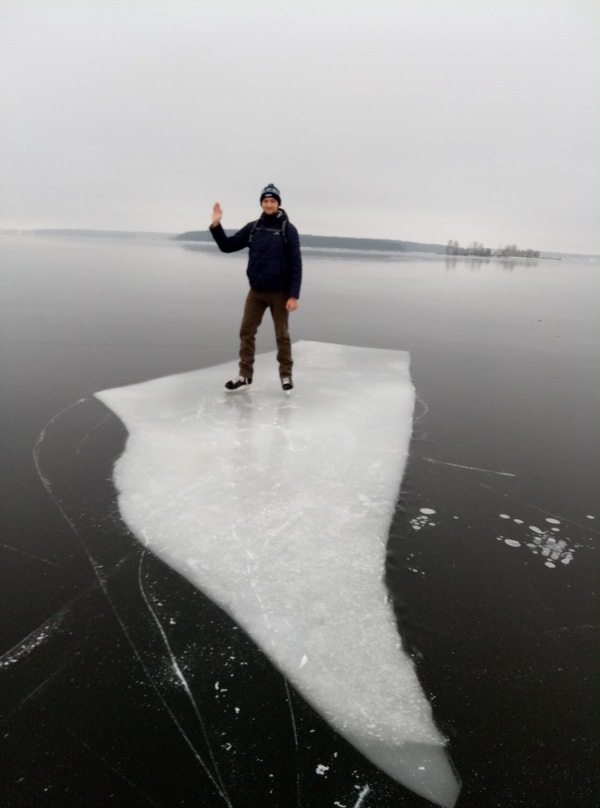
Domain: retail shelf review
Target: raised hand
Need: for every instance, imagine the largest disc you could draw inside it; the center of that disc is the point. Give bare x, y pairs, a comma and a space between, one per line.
217, 214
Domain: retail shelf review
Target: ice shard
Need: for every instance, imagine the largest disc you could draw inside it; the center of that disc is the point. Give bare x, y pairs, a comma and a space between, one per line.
278, 508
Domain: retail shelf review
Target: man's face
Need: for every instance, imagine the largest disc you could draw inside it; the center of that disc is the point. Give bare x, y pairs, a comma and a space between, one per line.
270, 205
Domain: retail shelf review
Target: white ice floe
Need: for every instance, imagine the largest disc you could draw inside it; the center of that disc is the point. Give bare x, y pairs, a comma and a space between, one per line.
278, 508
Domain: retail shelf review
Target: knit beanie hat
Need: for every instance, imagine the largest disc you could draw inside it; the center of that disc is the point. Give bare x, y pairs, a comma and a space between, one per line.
271, 191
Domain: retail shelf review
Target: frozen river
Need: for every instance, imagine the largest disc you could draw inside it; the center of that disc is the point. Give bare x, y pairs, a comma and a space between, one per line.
492, 551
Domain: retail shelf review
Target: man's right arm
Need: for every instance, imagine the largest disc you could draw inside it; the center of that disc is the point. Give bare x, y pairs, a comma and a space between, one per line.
225, 243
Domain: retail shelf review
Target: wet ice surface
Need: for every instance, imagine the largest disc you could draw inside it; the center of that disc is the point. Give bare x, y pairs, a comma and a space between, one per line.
502, 357
279, 508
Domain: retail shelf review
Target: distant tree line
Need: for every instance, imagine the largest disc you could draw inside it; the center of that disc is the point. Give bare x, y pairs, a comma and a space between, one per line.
477, 249
335, 242
384, 245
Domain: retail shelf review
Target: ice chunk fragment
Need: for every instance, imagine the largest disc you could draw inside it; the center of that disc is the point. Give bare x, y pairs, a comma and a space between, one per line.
286, 504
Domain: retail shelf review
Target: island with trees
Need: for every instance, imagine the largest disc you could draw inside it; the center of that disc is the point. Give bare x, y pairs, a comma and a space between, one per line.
478, 250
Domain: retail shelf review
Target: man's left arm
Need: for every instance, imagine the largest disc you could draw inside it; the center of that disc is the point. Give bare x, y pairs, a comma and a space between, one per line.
295, 259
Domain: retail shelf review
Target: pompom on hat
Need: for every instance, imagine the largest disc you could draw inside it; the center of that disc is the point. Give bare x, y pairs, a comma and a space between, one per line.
271, 191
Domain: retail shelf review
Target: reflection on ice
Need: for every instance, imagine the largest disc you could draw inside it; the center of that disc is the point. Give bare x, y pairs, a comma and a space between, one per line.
278, 509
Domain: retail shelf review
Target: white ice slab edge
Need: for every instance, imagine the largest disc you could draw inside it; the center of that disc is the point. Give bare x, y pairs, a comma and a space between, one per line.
278, 508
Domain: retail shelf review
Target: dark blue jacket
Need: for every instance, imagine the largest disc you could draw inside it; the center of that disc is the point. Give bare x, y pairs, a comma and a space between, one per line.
273, 264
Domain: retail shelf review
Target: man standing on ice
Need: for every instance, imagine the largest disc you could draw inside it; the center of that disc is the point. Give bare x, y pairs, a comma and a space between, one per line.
275, 275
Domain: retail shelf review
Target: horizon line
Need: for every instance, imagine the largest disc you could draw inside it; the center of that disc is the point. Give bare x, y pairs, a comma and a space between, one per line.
173, 234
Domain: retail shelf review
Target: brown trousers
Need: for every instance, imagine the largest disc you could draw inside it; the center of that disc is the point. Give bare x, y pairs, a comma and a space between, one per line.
256, 305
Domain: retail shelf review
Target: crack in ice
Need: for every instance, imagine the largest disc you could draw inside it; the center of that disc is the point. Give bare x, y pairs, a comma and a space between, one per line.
220, 786
469, 468
97, 568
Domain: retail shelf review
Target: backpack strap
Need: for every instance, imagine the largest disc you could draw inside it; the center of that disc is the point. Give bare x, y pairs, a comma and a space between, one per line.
255, 227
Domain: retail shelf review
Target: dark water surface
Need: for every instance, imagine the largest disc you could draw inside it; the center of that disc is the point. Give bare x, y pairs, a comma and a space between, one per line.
504, 358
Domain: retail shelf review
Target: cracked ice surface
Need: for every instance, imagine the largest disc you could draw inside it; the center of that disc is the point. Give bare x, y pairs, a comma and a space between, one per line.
278, 508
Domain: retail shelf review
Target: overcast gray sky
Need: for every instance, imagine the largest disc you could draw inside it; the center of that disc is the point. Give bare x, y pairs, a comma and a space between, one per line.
423, 120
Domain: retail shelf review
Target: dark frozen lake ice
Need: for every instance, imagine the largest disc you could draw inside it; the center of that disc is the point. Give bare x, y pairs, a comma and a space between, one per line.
492, 553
